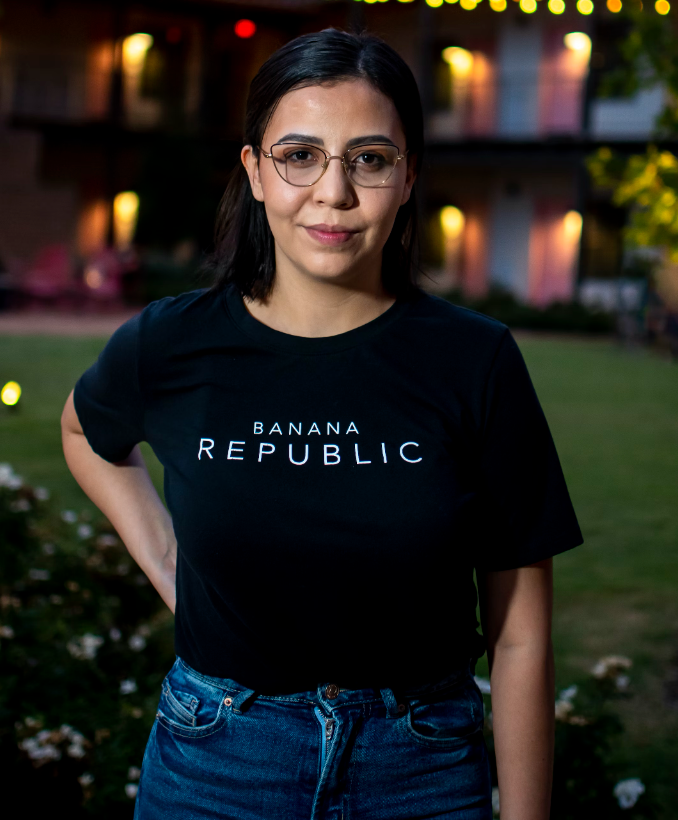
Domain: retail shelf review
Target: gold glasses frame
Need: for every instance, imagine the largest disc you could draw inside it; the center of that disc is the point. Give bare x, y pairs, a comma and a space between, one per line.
328, 157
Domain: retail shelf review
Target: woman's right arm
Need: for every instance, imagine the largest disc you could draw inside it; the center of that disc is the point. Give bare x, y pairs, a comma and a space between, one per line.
125, 494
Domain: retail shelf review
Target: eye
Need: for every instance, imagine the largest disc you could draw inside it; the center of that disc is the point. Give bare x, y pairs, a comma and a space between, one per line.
300, 156
369, 158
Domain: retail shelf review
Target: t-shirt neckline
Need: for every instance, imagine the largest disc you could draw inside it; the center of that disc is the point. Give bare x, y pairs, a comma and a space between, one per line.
288, 343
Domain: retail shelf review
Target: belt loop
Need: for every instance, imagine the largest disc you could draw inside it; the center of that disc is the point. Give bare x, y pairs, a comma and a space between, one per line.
394, 708
240, 702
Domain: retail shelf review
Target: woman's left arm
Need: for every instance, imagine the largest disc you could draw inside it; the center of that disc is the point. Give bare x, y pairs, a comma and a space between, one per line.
515, 611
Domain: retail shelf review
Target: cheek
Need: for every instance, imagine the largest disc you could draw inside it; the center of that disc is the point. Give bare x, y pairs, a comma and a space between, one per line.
282, 201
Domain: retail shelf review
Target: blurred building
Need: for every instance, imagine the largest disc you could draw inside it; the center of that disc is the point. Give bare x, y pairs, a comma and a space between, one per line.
119, 122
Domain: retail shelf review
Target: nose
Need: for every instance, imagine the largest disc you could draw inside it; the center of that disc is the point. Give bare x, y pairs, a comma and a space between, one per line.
334, 187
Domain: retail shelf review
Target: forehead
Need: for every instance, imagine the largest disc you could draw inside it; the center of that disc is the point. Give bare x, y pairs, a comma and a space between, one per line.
336, 113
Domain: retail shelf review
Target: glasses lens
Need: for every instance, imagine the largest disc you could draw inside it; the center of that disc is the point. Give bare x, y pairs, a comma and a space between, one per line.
371, 165
298, 164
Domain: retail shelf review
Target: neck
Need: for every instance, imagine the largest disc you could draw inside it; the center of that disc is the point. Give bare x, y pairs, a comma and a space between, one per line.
306, 306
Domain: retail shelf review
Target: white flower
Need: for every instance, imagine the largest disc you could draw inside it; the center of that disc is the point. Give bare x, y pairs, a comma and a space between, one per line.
134, 773
131, 790
6, 632
84, 648
44, 753
128, 686
114, 634
569, 693
563, 709
483, 684
495, 802
137, 643
75, 750
6, 472
628, 791
41, 493
622, 682
48, 549
69, 516
38, 574
84, 531
15, 482
610, 664
67, 730
20, 505
86, 779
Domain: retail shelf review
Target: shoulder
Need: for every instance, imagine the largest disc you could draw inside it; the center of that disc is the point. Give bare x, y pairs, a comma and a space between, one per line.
190, 306
438, 321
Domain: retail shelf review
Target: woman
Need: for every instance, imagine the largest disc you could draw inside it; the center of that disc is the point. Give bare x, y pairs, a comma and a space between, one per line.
340, 451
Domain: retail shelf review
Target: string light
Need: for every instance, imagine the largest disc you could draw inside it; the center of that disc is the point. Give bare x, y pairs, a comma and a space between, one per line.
468, 4
662, 7
498, 5
584, 6
434, 4
556, 6
10, 394
614, 5
528, 6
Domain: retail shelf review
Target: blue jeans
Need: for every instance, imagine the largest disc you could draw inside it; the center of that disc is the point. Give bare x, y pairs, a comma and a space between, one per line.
220, 750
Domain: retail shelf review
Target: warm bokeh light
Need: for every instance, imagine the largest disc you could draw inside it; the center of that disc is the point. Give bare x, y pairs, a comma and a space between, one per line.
134, 50
451, 1
578, 41
584, 6
451, 221
244, 29
94, 278
498, 5
10, 394
460, 60
528, 6
125, 214
662, 7
614, 5
572, 222
469, 5
556, 6
434, 3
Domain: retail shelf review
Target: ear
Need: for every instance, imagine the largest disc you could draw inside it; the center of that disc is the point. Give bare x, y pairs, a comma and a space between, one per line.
410, 178
251, 164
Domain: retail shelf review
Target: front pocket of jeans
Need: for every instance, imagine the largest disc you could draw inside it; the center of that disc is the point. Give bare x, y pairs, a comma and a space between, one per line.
176, 718
448, 722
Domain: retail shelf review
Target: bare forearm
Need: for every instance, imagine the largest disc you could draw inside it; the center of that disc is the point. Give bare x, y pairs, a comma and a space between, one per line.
125, 494
522, 680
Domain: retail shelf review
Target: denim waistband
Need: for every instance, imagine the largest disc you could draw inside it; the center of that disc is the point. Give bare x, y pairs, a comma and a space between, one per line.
332, 696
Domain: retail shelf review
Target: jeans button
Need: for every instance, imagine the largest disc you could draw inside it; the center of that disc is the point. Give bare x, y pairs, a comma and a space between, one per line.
332, 690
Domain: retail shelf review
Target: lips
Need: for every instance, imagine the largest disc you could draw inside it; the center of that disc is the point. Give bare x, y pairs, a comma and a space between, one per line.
330, 234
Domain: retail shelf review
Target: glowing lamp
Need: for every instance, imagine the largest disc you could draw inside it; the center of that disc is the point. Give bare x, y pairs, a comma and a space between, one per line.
434, 4
469, 5
134, 50
244, 28
584, 6
572, 222
459, 59
528, 6
498, 5
451, 221
10, 394
94, 278
614, 5
578, 41
556, 6
125, 213
662, 7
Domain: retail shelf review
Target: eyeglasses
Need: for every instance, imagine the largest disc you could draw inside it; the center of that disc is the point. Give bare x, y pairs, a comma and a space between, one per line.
302, 165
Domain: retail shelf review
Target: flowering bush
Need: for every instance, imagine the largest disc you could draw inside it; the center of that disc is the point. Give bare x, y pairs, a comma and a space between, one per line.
84, 644
586, 784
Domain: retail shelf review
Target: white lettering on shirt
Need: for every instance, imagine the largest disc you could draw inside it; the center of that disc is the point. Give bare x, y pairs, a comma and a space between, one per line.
204, 449
258, 427
314, 429
305, 455
292, 427
335, 455
404, 457
263, 452
330, 426
352, 429
232, 449
275, 429
357, 457
383, 451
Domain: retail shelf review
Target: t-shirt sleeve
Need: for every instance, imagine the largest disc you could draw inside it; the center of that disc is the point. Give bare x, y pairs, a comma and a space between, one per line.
108, 399
527, 511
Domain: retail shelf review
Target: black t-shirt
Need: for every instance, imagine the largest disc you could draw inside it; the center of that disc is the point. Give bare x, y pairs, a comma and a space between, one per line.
331, 496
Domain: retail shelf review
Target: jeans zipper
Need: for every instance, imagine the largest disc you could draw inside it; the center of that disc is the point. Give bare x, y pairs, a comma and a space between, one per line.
327, 725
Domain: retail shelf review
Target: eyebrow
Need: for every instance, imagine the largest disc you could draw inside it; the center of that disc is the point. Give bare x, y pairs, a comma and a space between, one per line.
311, 140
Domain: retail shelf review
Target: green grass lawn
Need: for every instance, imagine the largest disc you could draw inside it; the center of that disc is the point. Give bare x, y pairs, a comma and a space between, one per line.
614, 417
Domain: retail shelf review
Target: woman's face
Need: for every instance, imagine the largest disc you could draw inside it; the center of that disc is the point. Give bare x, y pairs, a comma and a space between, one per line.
334, 118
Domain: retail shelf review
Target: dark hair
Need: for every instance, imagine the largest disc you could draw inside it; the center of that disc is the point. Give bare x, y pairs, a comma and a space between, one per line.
244, 249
